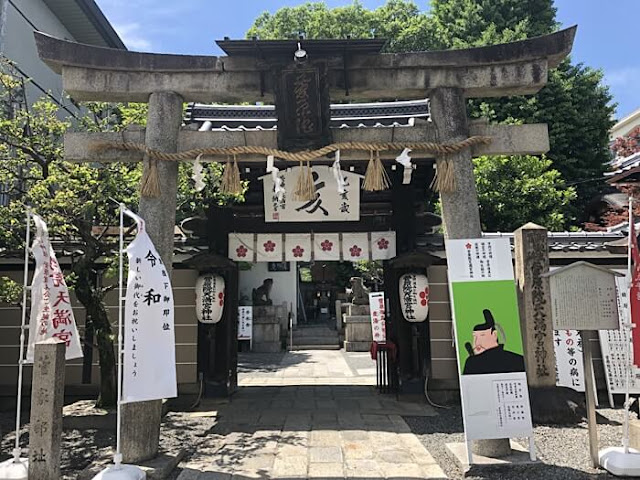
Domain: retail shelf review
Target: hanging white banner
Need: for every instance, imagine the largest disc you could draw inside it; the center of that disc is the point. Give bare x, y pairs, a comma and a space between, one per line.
51, 312
298, 247
383, 245
269, 247
149, 347
326, 246
329, 205
355, 246
241, 247
378, 317
567, 345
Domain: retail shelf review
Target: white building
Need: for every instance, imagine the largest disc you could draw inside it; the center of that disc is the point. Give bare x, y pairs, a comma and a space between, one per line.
624, 126
77, 20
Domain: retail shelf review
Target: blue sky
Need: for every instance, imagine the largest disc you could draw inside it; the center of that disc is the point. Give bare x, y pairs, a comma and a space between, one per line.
606, 39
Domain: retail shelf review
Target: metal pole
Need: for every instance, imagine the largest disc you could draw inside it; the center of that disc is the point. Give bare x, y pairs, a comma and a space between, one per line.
117, 458
627, 335
587, 336
23, 327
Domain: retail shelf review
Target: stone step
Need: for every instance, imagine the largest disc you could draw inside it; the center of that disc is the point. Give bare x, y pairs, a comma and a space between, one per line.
315, 333
314, 347
317, 340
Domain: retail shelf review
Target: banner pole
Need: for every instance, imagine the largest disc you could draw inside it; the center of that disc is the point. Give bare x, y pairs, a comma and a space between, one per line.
16, 450
117, 459
628, 338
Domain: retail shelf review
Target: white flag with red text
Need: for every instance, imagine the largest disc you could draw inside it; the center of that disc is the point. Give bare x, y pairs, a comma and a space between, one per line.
149, 339
51, 312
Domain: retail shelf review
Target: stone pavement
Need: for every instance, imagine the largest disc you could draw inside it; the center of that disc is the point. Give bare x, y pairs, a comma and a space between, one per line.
306, 367
311, 431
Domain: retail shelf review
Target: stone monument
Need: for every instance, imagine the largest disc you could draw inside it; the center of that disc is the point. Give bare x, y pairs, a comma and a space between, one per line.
47, 398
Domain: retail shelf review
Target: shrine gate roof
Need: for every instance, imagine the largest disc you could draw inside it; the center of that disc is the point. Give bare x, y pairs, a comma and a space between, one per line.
343, 115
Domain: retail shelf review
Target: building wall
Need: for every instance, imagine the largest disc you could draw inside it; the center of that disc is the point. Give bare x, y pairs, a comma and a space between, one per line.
18, 44
183, 283
285, 288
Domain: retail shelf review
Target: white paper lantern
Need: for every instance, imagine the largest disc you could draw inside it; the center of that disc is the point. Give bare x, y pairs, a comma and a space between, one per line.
209, 298
414, 297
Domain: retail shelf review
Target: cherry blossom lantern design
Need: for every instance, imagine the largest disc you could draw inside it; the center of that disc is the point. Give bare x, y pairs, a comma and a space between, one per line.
210, 298
414, 297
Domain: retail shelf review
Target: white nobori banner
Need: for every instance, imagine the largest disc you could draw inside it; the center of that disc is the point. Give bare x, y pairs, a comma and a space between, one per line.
149, 347
51, 312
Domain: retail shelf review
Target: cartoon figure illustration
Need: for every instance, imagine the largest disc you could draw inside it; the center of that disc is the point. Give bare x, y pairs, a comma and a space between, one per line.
487, 355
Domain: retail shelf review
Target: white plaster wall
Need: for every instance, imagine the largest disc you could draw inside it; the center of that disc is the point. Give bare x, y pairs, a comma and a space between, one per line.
284, 284
19, 45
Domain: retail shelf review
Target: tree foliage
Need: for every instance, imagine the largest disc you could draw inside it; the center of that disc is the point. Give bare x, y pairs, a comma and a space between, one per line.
519, 189
74, 199
575, 103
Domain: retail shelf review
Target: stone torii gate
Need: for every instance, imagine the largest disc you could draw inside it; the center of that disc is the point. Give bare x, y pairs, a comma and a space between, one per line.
165, 82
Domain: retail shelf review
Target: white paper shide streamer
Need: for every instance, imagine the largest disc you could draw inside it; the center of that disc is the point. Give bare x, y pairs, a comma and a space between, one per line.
197, 175
405, 160
338, 175
149, 349
278, 189
51, 312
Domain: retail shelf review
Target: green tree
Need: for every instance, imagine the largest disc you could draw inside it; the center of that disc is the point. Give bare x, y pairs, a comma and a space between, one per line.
519, 189
575, 103
74, 200
400, 21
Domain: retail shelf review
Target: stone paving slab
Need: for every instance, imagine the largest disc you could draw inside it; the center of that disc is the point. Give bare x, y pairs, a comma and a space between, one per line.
311, 430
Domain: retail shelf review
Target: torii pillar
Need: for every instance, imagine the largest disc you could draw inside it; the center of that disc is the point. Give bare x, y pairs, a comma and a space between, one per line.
141, 420
460, 212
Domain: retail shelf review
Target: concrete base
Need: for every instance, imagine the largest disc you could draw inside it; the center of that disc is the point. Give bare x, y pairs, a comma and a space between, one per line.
518, 456
621, 464
10, 469
492, 448
123, 472
357, 346
158, 468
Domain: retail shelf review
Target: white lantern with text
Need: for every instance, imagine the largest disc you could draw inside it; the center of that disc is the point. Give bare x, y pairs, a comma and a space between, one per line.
209, 298
414, 297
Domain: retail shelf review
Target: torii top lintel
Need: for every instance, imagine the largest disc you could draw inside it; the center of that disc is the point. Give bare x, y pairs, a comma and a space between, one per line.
104, 74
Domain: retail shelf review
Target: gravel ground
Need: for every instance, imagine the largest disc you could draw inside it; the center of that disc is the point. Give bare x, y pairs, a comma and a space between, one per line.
81, 447
563, 450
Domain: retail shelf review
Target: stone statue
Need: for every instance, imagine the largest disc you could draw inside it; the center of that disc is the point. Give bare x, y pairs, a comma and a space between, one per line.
358, 293
260, 295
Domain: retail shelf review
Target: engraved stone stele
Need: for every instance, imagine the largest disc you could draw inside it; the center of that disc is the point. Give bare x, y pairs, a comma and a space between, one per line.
531, 261
47, 398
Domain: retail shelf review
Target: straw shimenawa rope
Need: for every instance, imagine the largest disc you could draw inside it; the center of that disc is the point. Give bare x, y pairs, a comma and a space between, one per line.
444, 181
375, 178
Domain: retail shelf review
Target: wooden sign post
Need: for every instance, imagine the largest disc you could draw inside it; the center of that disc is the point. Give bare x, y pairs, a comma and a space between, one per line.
583, 297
